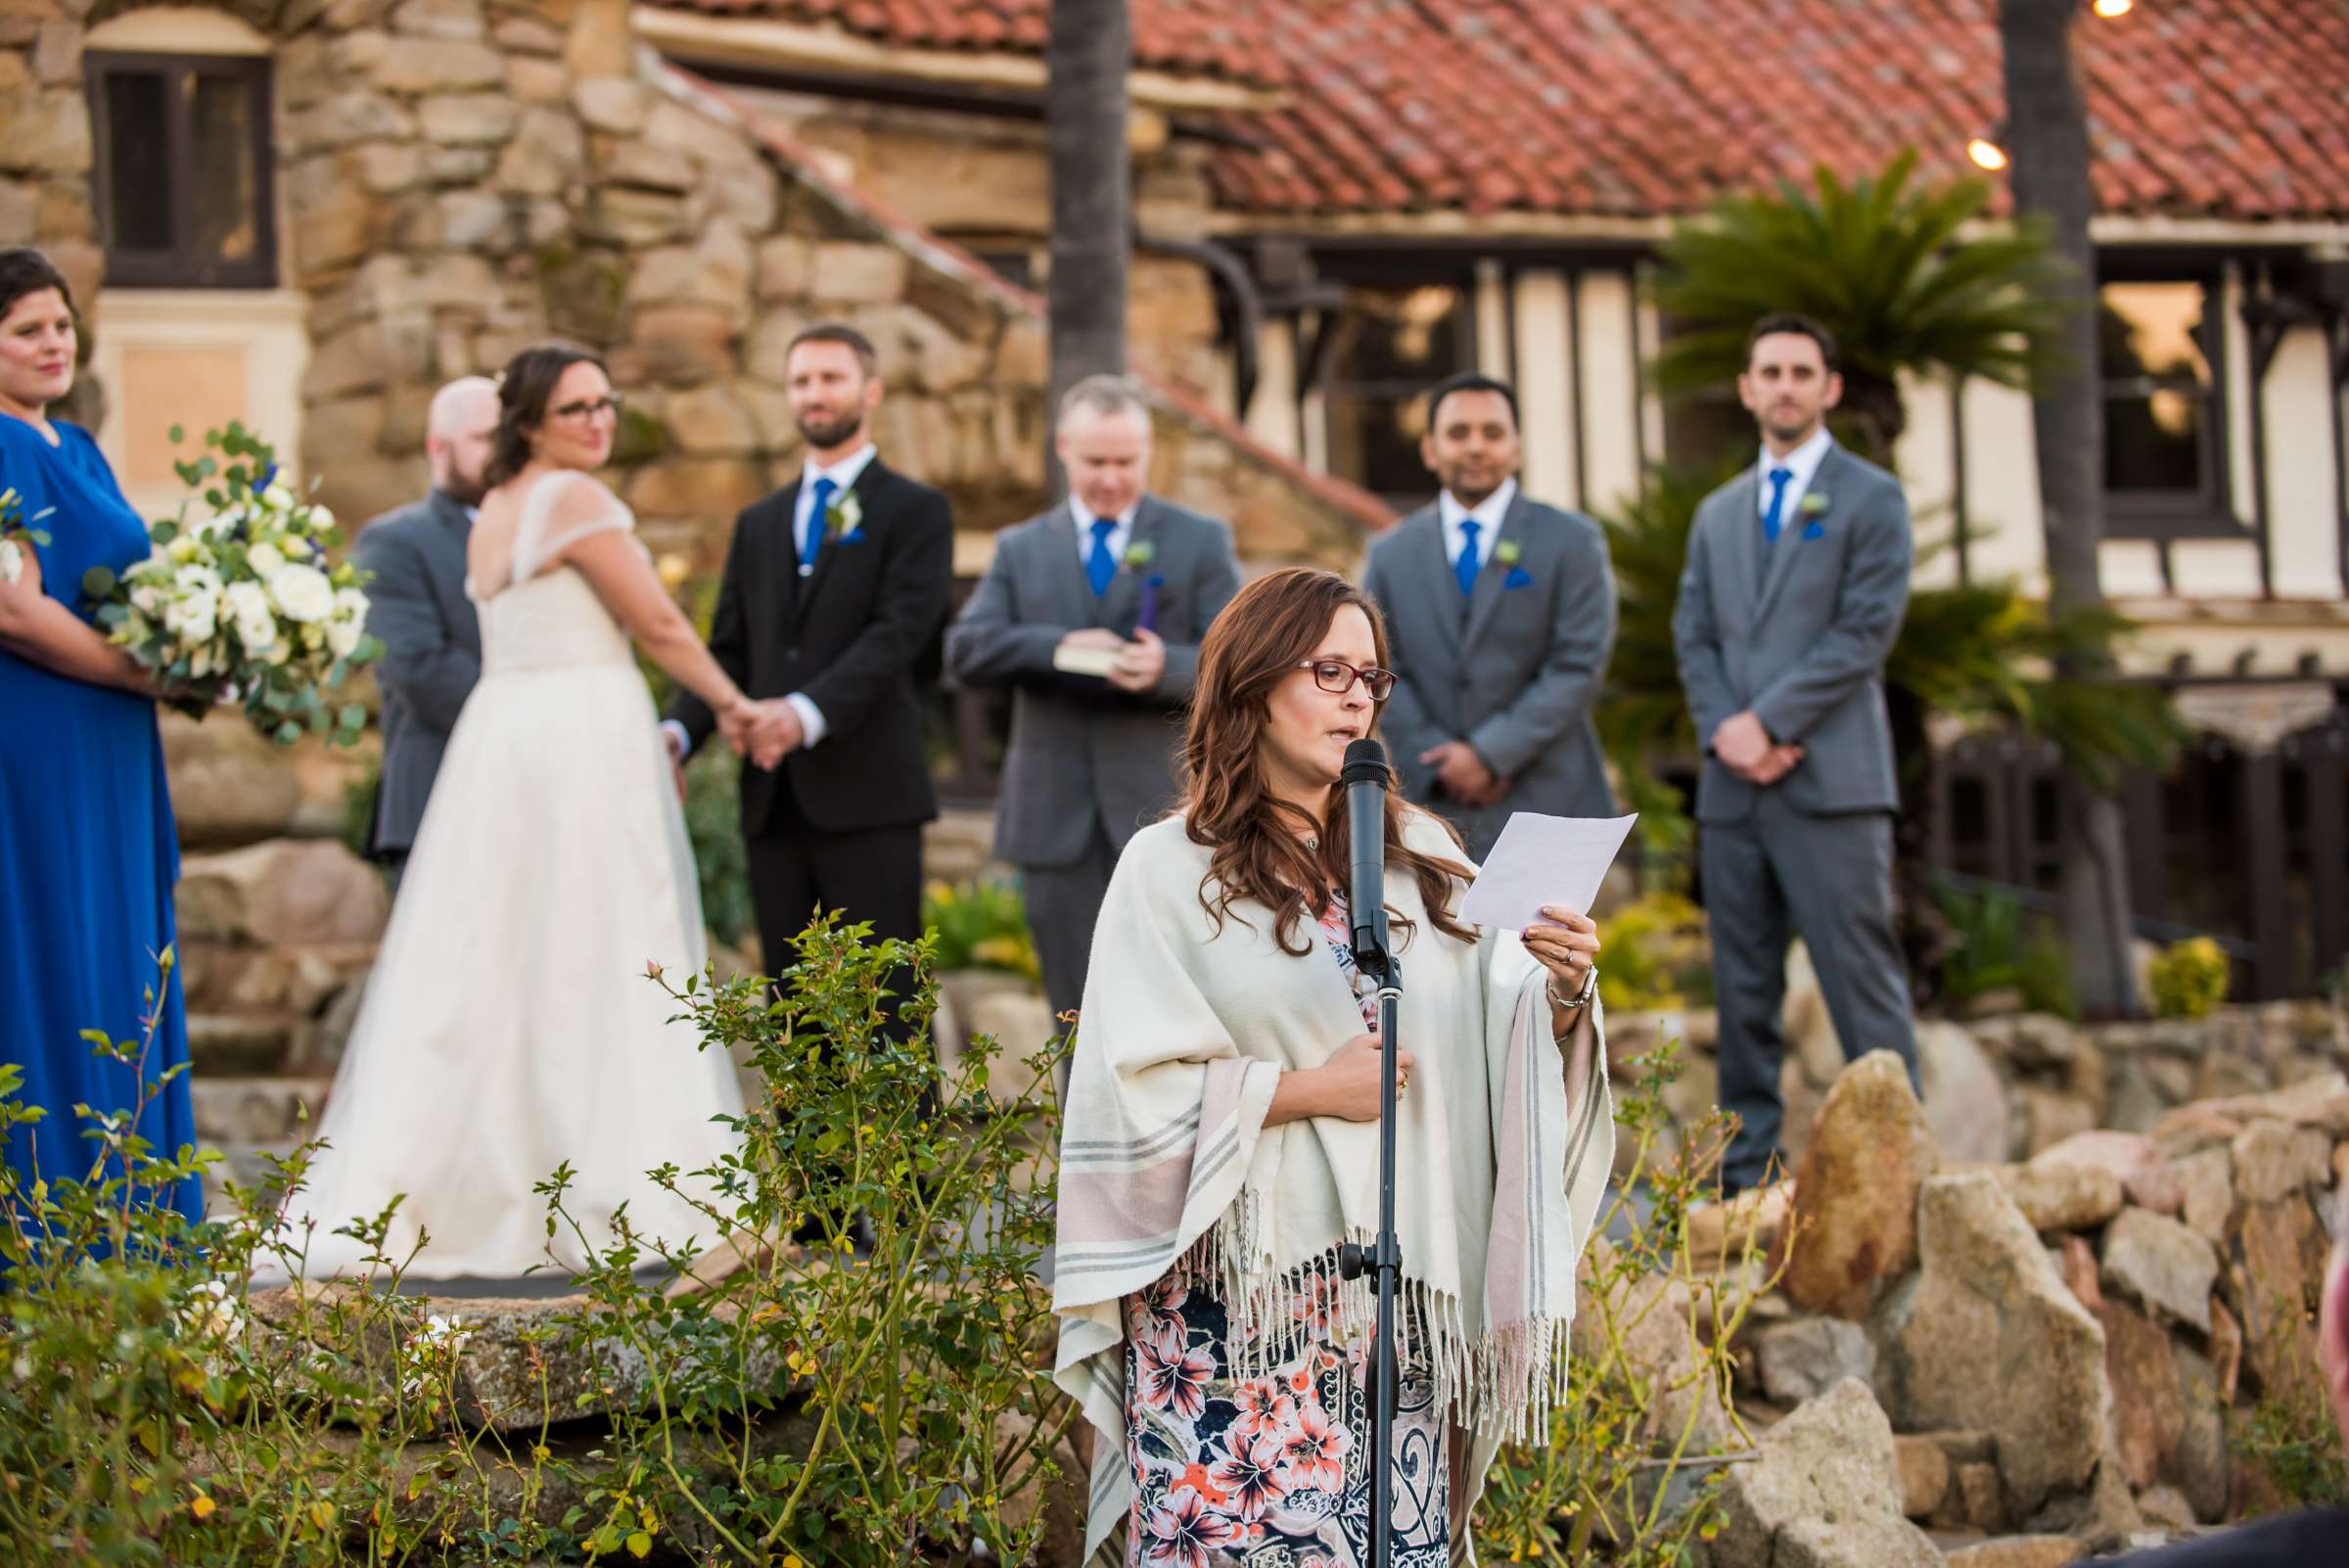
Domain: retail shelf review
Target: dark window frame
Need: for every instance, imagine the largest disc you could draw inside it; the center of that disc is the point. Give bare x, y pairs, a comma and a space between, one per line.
2164, 516
1386, 272
183, 265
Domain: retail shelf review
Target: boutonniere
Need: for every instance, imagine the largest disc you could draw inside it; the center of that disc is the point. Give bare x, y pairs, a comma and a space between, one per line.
1813, 504
1507, 552
843, 518
1139, 554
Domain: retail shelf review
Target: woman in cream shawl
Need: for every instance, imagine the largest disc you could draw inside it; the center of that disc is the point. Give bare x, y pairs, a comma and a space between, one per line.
1221, 1139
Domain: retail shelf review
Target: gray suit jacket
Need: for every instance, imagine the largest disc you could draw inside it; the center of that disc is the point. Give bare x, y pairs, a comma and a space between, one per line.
1082, 751
1513, 670
431, 651
1798, 631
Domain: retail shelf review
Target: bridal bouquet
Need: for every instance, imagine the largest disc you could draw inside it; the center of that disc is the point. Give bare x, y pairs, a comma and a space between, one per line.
237, 601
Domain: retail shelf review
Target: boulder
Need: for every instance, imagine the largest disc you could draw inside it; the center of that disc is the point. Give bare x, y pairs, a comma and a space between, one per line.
2207, 1180
283, 893
2276, 1160
2061, 1197
230, 786
2274, 1262
1825, 1493
1804, 1358
2131, 1157
2020, 1551
1719, 1234
1853, 1227
1965, 1100
2050, 1116
2166, 1509
2201, 1466
1985, 1316
2149, 1410
1924, 1475
2161, 1263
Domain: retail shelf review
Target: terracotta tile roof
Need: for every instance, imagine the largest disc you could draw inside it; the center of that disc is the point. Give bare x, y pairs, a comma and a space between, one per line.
2233, 109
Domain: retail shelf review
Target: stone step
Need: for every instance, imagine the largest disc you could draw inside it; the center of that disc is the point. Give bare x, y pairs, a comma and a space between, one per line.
240, 1045
251, 1110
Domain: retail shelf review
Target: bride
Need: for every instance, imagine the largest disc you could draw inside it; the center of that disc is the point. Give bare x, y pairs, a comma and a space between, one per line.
510, 1025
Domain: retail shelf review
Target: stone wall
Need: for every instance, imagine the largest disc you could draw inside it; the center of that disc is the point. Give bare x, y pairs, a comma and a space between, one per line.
463, 178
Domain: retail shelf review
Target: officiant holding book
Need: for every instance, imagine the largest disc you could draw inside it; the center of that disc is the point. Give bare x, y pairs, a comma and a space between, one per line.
1092, 614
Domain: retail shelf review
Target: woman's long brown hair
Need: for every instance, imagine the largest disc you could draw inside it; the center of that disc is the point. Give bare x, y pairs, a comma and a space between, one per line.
1271, 627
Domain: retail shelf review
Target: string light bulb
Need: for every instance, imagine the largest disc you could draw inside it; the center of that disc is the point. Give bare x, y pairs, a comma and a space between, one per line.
2109, 8
1986, 154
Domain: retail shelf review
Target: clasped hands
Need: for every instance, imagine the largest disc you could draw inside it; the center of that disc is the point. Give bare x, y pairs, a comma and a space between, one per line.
1141, 660
762, 732
1462, 773
1747, 750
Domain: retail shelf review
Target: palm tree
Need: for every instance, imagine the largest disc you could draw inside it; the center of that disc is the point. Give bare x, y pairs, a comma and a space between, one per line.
2048, 126
1886, 268
1087, 55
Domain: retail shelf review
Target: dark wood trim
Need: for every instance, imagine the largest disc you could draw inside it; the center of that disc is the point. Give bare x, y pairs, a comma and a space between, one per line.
2324, 756
181, 268
1582, 415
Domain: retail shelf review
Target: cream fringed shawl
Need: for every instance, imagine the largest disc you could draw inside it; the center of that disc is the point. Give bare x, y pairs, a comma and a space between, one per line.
1166, 1159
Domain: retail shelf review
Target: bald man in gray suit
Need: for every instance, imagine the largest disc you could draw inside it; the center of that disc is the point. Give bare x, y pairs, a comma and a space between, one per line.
1795, 586
1131, 581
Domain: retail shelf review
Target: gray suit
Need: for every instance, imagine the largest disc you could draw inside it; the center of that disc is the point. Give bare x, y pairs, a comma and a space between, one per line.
1089, 764
1798, 630
1512, 669
432, 653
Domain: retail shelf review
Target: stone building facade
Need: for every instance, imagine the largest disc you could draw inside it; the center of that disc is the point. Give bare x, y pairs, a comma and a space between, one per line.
437, 183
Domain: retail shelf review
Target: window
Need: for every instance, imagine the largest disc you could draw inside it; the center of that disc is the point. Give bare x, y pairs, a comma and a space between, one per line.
183, 170
1395, 340
2165, 435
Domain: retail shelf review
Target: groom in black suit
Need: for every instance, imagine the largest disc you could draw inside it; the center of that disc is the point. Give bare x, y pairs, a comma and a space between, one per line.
833, 587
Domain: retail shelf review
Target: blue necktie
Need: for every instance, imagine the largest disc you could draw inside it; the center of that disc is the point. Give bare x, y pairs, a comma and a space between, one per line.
1775, 517
817, 524
1099, 568
1463, 565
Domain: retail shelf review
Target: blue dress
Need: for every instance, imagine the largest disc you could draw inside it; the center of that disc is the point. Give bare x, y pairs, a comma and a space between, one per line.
89, 854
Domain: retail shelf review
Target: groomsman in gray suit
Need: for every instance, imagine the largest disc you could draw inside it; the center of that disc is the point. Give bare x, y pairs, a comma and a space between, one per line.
417, 605
1500, 613
1796, 582
1113, 579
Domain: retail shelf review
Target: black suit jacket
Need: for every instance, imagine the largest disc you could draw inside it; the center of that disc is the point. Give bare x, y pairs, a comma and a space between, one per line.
848, 637
431, 652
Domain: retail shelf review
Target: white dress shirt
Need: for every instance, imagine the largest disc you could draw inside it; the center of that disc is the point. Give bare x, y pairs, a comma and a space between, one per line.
843, 475
1490, 513
1119, 536
1803, 463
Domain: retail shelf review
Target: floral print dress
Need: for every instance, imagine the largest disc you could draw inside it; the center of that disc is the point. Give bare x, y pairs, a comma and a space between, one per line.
1271, 1471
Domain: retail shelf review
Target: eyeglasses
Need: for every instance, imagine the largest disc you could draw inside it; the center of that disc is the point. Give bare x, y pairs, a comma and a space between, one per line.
1337, 675
581, 412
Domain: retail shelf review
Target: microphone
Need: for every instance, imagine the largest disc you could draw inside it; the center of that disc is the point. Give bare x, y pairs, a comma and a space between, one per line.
1366, 778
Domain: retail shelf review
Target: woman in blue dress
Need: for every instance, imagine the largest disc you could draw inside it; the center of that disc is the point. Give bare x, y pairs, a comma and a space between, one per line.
89, 854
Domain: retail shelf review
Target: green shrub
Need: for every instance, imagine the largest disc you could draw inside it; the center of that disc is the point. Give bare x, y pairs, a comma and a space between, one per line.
2189, 979
981, 925
1621, 1476
1656, 956
1994, 946
714, 825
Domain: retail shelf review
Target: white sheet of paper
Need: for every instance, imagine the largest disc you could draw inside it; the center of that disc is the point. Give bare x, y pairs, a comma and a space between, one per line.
1544, 859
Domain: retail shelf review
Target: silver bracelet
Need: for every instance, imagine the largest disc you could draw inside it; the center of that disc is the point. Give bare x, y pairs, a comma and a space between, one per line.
1580, 998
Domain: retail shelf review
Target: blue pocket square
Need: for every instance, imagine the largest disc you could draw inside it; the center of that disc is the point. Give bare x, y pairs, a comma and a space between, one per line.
1518, 578
1812, 530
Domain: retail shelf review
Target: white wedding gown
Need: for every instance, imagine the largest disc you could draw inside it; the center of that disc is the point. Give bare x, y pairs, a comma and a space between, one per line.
509, 1026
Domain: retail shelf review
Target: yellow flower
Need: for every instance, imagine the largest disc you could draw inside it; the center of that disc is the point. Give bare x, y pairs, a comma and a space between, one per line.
201, 1506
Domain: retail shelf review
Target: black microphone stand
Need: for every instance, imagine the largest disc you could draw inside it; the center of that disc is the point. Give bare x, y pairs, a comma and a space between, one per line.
1374, 958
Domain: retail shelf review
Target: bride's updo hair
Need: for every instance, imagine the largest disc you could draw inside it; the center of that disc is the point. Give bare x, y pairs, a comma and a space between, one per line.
524, 387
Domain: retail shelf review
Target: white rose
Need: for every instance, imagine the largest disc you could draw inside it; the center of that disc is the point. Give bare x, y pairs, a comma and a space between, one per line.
12, 562
248, 607
186, 547
147, 598
197, 579
192, 618
266, 561
200, 662
342, 637
350, 604
275, 653
303, 593
277, 498
321, 519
